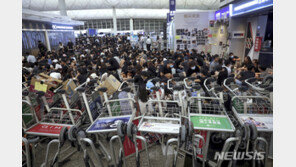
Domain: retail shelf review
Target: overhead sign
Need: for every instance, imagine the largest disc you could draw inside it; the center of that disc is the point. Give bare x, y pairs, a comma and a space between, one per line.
249, 6
222, 13
61, 27
172, 5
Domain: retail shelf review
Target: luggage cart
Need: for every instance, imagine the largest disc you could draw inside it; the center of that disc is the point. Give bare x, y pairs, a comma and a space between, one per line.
52, 123
127, 130
193, 87
54, 120
208, 114
121, 110
238, 90
164, 119
176, 86
255, 110
28, 150
262, 86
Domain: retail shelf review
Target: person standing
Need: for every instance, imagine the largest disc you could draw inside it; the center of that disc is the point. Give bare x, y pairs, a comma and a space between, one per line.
42, 48
148, 43
158, 43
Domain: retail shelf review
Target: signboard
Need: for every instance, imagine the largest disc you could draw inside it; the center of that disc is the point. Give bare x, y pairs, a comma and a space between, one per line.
238, 34
257, 45
249, 6
222, 13
172, 5
61, 27
106, 124
46, 129
211, 122
154, 127
40, 87
263, 123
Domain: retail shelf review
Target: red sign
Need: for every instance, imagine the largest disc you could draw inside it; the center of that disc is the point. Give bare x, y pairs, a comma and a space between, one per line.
200, 143
257, 46
129, 146
46, 128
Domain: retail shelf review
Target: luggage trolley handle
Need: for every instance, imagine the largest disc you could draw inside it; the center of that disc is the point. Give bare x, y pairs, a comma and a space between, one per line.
170, 141
185, 82
90, 142
84, 98
197, 136
228, 81
63, 94
41, 95
121, 150
210, 80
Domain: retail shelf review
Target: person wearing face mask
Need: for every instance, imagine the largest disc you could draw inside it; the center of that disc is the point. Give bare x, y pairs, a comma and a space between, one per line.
166, 70
193, 69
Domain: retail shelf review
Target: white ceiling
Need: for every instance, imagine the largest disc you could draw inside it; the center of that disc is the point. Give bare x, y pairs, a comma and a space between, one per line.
102, 9
52, 5
44, 17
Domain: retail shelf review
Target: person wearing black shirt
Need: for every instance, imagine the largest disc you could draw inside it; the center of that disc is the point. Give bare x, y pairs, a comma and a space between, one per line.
42, 48
166, 70
193, 69
249, 73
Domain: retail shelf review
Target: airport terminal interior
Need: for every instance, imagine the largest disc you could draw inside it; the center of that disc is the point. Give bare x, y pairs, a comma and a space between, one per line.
147, 83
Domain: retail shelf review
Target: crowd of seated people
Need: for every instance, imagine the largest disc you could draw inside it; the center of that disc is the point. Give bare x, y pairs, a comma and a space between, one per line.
94, 56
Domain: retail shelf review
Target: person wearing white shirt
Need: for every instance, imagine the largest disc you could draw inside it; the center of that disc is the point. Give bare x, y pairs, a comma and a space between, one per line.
227, 65
148, 43
55, 75
31, 59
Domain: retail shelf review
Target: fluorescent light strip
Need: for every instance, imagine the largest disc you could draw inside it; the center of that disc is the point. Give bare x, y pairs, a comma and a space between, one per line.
252, 10
246, 5
230, 9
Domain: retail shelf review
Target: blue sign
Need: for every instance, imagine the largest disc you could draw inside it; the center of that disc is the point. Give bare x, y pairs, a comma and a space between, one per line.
107, 124
249, 6
172, 5
170, 17
92, 32
222, 13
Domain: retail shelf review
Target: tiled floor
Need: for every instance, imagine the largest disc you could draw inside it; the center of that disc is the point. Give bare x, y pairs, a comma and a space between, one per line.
76, 160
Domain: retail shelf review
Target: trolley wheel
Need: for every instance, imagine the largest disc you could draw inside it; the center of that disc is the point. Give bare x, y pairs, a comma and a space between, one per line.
63, 136
246, 132
72, 133
121, 128
243, 145
131, 130
81, 134
253, 132
216, 139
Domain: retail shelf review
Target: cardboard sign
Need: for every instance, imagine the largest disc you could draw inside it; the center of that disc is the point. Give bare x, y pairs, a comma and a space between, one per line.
211, 122
40, 87
111, 83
